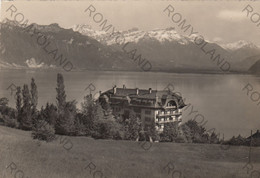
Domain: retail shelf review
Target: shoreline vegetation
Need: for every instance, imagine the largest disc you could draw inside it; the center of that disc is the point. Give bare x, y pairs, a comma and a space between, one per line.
97, 120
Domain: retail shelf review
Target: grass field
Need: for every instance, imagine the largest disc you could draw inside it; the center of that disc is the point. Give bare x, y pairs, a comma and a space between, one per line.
118, 159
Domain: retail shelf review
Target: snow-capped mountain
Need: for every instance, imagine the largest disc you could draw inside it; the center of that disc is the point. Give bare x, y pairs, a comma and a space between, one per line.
134, 35
90, 49
238, 45
161, 35
167, 46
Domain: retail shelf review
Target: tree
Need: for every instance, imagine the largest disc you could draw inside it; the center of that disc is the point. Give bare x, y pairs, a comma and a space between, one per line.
4, 101
34, 94
66, 119
90, 112
133, 127
26, 113
43, 131
34, 101
61, 96
18, 103
48, 114
170, 132
197, 132
151, 131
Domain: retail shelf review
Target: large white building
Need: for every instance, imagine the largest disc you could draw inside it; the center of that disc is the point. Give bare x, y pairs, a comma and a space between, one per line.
150, 105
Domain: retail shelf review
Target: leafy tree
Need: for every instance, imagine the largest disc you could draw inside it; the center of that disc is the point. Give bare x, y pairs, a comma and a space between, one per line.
80, 128
26, 113
151, 131
186, 131
133, 127
66, 110
214, 138
18, 104
61, 96
4, 101
66, 119
43, 131
34, 102
197, 132
170, 132
90, 112
49, 114
34, 94
7, 114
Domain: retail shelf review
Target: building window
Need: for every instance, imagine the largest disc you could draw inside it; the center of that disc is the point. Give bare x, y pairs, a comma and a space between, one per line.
137, 110
147, 119
148, 112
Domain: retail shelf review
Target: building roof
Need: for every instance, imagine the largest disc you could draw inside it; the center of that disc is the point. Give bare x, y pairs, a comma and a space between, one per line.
149, 94
255, 135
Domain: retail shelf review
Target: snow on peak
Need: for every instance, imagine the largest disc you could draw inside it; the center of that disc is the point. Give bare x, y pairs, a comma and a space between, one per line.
135, 35
238, 45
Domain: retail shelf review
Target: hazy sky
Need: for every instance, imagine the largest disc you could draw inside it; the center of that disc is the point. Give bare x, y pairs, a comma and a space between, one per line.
216, 21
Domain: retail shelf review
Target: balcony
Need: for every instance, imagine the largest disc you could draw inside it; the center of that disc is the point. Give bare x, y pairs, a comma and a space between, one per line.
168, 120
169, 114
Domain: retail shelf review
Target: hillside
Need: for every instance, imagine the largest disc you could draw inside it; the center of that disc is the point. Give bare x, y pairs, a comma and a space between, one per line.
117, 159
255, 69
18, 46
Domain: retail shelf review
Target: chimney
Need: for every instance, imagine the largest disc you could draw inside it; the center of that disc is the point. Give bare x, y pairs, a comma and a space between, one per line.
150, 90
137, 91
114, 89
124, 87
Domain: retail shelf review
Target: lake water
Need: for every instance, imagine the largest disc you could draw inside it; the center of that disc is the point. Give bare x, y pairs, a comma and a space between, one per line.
219, 98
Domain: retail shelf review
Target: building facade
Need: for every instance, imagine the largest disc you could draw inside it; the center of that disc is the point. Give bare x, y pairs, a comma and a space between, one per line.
149, 105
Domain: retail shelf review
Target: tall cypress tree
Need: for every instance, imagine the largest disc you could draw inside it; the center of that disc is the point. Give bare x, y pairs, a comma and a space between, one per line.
26, 116
34, 94
66, 110
34, 101
18, 103
61, 96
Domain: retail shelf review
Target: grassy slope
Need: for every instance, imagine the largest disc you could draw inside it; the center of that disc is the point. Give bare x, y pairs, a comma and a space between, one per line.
118, 159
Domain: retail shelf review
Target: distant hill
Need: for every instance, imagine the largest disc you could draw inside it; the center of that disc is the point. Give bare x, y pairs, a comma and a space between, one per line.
255, 69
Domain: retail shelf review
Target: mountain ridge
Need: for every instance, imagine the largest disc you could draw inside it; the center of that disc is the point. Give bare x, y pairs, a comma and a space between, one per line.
88, 49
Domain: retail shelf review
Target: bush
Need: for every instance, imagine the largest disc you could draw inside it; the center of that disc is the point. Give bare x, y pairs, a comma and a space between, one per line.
43, 131
9, 122
107, 129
